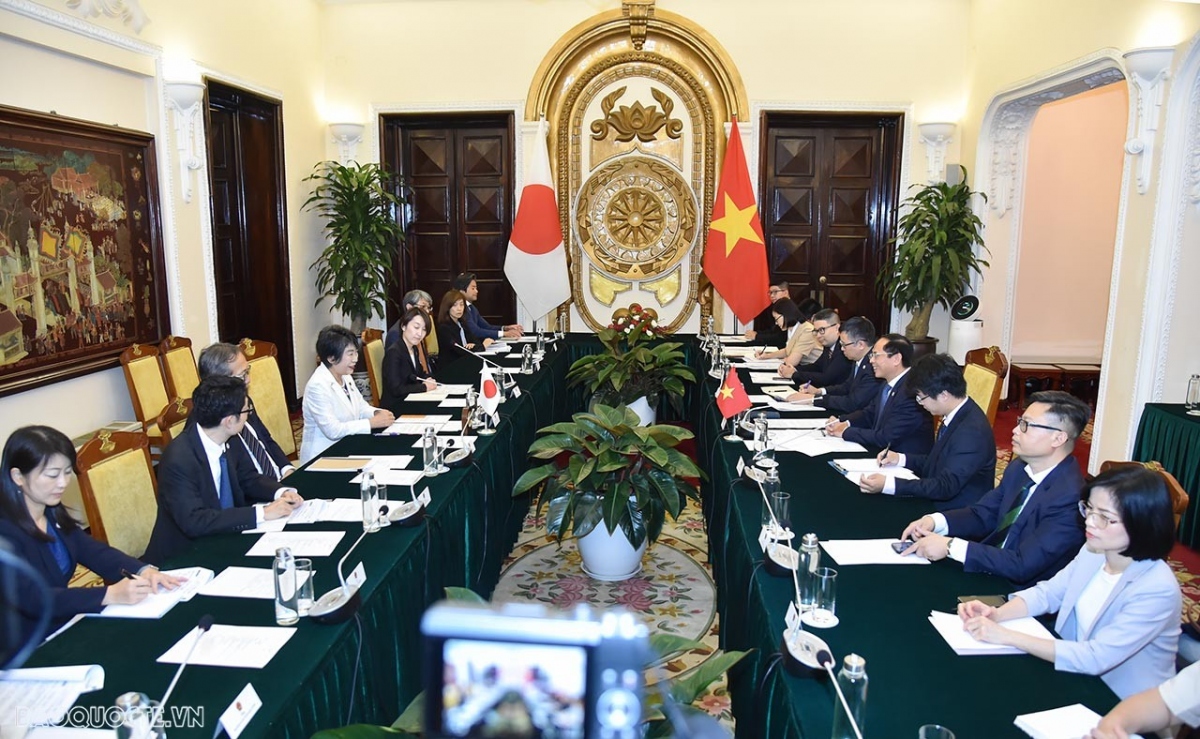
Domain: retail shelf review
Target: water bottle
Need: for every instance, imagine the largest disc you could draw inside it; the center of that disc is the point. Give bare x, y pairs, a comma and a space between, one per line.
140, 717
541, 341
1192, 399
370, 502
527, 360
852, 679
810, 560
287, 606
770, 486
432, 463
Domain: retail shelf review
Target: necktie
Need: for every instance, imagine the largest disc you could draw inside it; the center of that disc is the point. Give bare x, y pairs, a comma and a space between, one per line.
1001, 534
259, 452
225, 494
883, 399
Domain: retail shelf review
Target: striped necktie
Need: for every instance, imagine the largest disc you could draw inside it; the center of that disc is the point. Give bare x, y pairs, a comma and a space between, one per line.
258, 451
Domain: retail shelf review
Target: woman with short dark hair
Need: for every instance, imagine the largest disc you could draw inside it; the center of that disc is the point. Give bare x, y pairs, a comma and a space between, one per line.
802, 346
38, 462
405, 368
333, 405
1118, 601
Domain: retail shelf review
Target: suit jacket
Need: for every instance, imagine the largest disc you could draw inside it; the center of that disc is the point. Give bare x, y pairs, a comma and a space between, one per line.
856, 393
237, 446
831, 368
400, 376
766, 332
901, 423
429, 346
1132, 643
331, 410
65, 602
448, 336
961, 467
188, 502
1043, 538
478, 326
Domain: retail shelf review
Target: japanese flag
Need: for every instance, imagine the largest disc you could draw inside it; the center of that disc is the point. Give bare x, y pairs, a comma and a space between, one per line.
489, 391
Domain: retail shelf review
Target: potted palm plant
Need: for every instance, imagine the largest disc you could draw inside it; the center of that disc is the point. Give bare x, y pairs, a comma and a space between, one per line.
358, 204
637, 367
936, 253
610, 482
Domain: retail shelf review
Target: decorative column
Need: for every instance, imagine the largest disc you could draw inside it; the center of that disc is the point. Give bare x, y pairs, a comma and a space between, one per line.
185, 100
1147, 73
936, 137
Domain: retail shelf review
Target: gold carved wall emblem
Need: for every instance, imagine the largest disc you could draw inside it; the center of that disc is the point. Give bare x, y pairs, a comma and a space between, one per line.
637, 120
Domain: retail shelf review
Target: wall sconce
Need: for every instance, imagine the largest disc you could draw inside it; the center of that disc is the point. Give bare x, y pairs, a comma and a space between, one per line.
347, 136
185, 100
936, 137
1147, 71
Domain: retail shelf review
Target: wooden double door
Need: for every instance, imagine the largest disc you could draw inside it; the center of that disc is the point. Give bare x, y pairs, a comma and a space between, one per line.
458, 172
829, 201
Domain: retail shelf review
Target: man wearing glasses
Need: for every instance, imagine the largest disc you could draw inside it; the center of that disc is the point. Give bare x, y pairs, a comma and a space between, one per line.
771, 335
263, 453
203, 490
892, 419
832, 367
961, 468
856, 338
1028, 528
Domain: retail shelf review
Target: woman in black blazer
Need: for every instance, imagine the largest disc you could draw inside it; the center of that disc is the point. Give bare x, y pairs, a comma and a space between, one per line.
37, 464
404, 368
452, 330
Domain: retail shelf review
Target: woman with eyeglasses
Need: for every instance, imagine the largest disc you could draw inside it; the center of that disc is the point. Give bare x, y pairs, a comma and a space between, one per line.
1118, 602
795, 320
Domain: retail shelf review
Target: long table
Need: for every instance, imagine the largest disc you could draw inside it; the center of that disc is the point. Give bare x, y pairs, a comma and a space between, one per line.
364, 670
1168, 435
915, 678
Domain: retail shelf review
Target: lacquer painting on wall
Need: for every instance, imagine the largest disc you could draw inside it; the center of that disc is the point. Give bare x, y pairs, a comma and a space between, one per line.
81, 266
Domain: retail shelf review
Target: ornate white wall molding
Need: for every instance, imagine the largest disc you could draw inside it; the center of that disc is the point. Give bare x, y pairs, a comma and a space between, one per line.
936, 137
347, 136
130, 11
185, 100
1148, 75
75, 24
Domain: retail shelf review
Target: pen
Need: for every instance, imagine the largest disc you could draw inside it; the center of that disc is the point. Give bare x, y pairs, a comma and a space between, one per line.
128, 575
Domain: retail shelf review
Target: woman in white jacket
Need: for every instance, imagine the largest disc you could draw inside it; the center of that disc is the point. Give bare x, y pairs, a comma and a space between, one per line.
333, 406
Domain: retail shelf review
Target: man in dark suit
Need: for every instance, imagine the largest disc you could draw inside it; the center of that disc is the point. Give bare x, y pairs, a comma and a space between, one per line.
1028, 528
201, 489
892, 418
962, 465
856, 339
832, 367
475, 322
255, 441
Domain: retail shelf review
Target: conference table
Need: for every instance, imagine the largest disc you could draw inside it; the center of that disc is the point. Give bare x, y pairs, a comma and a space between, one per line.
914, 677
365, 670
1168, 435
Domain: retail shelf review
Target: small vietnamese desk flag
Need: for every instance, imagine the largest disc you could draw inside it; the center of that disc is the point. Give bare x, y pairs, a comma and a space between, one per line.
731, 396
536, 262
735, 258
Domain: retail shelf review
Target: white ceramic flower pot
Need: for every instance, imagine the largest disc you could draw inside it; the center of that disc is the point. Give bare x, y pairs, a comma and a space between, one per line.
608, 556
646, 412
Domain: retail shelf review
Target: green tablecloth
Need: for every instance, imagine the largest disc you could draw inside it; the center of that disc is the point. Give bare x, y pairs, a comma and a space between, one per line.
914, 677
1168, 435
471, 526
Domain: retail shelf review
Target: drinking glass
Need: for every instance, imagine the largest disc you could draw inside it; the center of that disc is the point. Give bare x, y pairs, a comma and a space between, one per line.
933, 731
824, 590
780, 503
304, 585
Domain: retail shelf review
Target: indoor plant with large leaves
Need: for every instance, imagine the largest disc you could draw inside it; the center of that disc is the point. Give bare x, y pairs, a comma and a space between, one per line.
636, 363
937, 245
606, 472
359, 205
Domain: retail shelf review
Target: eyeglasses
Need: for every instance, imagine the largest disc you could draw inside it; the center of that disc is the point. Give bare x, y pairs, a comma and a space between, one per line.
249, 408
823, 329
873, 355
1100, 520
845, 344
920, 397
1024, 426
244, 374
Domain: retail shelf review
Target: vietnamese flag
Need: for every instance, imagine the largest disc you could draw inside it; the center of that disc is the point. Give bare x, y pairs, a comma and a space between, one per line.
536, 262
735, 258
731, 396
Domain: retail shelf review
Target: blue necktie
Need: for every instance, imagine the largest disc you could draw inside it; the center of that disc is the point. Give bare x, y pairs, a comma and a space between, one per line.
225, 494
883, 399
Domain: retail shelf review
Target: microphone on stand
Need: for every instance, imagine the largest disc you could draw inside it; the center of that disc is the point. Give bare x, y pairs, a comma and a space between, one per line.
480, 357
204, 624
341, 603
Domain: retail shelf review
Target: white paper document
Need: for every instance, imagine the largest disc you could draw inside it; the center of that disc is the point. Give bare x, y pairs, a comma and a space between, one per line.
733, 339
868, 552
796, 423
157, 604
342, 510
854, 469
43, 695
302, 543
781, 405
392, 477
814, 445
453, 403
231, 646
1069, 721
743, 352
428, 395
275, 525
765, 378
386, 461
456, 389
759, 399
242, 582
760, 364
950, 626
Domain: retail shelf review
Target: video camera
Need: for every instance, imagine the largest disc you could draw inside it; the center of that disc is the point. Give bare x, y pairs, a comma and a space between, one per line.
521, 670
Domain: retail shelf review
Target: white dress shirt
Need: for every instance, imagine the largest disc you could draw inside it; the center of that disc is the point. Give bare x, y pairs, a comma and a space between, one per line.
889, 485
332, 409
214, 452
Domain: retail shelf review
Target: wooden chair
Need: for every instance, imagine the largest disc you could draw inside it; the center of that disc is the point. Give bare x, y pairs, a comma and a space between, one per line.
990, 357
119, 492
173, 419
267, 394
1179, 496
372, 340
179, 366
984, 387
147, 390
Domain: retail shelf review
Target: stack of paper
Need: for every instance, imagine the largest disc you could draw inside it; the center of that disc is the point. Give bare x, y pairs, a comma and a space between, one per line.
813, 422
759, 364
157, 604
854, 469
343, 510
230, 646
765, 378
243, 582
393, 477
806, 405
1075, 721
429, 395
743, 352
302, 543
814, 445
416, 424
738, 339
43, 695
950, 626
869, 552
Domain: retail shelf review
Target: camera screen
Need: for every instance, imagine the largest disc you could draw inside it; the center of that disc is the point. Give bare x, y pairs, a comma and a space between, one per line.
511, 690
